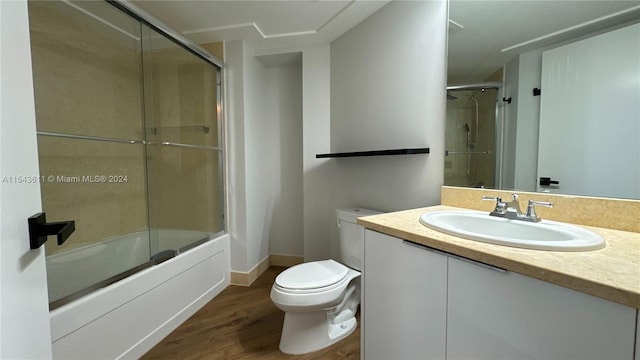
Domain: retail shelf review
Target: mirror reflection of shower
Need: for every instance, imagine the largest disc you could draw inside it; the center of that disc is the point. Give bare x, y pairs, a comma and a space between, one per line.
470, 135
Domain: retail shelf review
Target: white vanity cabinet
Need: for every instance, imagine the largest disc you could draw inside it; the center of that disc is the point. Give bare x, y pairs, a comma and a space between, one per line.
504, 315
423, 304
404, 309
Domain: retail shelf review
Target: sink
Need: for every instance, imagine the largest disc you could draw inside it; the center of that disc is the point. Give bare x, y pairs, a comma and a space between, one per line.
544, 235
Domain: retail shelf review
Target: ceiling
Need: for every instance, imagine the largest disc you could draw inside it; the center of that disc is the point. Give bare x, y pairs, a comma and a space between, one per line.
475, 48
488, 27
268, 26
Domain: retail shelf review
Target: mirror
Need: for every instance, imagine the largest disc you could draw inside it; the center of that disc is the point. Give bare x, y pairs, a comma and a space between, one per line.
494, 120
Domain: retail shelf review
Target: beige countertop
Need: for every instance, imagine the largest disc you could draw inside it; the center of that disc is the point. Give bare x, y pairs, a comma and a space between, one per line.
611, 273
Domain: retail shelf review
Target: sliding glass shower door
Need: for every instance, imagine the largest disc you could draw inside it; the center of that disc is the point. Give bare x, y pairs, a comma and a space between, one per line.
129, 143
470, 137
89, 117
182, 94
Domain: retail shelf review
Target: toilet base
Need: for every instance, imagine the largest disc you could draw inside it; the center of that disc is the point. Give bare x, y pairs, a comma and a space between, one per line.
306, 332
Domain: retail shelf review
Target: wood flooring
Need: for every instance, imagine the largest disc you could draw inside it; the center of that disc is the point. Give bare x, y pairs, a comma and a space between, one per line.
241, 323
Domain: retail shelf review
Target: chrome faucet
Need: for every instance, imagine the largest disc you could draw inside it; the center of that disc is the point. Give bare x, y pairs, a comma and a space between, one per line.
511, 209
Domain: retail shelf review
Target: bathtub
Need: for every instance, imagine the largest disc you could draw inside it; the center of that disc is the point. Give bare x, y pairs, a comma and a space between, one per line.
81, 268
127, 318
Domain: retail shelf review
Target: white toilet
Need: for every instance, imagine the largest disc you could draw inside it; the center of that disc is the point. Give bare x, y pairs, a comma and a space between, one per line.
320, 298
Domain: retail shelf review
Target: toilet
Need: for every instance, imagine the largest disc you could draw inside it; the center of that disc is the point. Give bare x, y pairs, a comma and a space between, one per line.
320, 298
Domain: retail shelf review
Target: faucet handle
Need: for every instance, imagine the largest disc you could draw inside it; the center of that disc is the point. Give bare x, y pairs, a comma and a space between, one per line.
531, 208
497, 199
501, 207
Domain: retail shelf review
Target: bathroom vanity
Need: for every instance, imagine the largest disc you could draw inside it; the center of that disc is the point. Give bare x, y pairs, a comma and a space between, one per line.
429, 295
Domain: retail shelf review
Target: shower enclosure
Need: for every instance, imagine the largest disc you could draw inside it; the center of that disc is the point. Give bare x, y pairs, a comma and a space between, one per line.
470, 136
129, 141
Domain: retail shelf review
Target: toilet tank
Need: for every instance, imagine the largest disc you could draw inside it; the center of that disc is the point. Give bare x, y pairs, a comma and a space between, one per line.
352, 236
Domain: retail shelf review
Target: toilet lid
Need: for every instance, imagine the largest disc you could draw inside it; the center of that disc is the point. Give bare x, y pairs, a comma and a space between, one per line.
312, 275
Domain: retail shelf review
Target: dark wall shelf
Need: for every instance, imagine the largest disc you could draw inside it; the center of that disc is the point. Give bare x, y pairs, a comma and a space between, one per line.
375, 153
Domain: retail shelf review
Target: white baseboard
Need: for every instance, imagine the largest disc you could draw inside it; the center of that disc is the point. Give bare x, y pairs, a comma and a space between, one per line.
247, 278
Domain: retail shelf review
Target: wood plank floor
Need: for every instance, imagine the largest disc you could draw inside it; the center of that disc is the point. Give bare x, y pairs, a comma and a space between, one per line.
241, 323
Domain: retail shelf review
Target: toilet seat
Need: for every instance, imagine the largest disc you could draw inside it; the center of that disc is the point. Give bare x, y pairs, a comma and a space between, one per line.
311, 286
317, 275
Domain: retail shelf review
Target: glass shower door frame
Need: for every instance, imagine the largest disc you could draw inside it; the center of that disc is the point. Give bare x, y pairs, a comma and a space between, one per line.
472, 127
93, 137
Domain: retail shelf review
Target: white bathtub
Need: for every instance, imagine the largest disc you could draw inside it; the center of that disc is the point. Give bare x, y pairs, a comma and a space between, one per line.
127, 318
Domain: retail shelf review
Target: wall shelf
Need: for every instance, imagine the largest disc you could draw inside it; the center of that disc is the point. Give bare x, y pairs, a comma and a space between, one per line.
375, 153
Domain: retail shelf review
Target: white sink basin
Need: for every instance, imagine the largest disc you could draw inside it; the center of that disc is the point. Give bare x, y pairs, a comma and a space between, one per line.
544, 235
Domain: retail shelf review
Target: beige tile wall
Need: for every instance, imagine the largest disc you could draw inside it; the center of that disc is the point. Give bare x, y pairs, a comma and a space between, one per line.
87, 81
183, 183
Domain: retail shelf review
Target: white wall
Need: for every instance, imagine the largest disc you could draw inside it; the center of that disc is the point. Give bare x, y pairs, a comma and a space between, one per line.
264, 120
318, 215
236, 188
262, 146
24, 313
379, 86
285, 236
508, 138
387, 91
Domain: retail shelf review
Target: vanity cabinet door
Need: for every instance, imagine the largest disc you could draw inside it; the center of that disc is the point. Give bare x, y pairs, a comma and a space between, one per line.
504, 315
637, 335
404, 300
